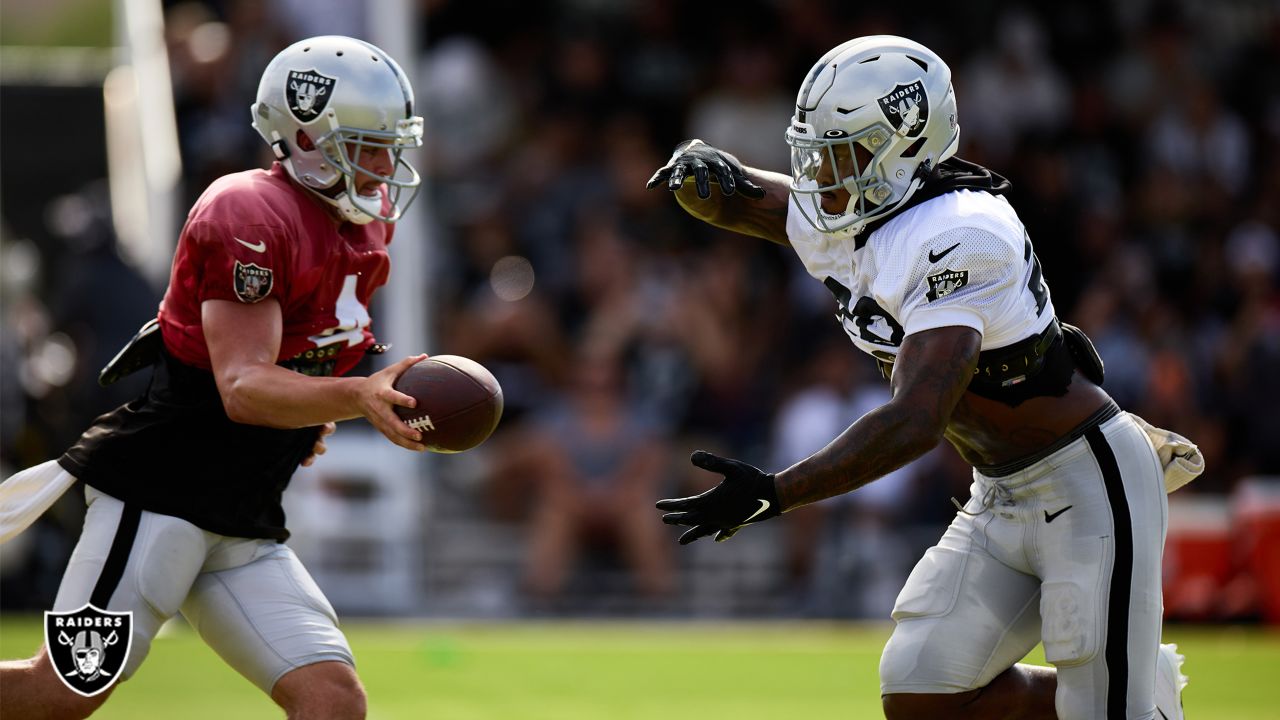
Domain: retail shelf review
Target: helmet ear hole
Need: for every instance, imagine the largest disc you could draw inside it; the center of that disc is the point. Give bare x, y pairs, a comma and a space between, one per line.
863, 156
303, 141
911, 151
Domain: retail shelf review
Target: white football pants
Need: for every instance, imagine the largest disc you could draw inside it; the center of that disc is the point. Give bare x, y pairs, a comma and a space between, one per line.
1067, 551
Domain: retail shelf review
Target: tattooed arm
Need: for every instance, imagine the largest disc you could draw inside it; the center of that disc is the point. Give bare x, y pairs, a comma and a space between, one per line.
750, 201
932, 371
765, 217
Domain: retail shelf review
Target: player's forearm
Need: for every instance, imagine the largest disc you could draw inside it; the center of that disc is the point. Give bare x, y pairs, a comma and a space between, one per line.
880, 442
273, 396
933, 369
763, 218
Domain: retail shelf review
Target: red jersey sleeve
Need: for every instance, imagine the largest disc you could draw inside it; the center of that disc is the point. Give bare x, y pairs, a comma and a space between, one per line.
239, 261
254, 236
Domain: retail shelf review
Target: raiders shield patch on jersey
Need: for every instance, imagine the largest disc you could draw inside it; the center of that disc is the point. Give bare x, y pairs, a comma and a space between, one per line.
906, 107
307, 93
946, 282
88, 647
252, 283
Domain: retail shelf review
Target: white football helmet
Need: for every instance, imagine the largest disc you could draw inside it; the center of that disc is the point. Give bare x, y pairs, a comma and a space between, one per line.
344, 95
891, 96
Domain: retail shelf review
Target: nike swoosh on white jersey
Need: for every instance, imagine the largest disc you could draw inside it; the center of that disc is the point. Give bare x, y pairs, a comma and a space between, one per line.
764, 505
261, 246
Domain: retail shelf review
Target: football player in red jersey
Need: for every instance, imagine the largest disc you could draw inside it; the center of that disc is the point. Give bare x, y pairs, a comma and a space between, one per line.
935, 277
266, 310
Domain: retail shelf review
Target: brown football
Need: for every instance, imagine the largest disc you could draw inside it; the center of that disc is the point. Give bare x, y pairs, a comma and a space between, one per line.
459, 402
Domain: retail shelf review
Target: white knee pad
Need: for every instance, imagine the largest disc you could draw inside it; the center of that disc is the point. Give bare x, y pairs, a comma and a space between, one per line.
1070, 631
900, 663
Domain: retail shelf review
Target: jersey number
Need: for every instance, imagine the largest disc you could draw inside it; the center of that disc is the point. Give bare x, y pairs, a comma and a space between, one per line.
352, 317
875, 324
1036, 282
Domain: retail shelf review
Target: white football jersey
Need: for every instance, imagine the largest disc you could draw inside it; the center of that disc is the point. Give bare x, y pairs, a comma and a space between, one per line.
962, 258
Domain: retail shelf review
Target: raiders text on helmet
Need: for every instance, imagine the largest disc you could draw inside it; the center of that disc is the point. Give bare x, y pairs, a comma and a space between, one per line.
344, 95
892, 97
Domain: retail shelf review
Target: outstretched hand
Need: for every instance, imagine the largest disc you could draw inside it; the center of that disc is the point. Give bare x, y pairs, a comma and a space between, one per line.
745, 496
706, 164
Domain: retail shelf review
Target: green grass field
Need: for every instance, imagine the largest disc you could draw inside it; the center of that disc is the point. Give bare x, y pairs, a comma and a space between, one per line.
567, 671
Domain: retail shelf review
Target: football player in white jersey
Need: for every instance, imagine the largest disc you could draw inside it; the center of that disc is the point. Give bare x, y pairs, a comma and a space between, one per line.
936, 278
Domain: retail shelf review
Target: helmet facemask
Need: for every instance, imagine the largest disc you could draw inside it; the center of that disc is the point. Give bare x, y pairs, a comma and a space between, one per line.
831, 163
342, 148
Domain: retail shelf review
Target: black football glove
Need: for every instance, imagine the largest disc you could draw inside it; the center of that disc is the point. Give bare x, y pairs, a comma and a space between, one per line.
707, 164
745, 496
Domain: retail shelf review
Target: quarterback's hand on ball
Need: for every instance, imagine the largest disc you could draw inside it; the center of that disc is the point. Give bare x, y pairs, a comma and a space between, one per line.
706, 164
377, 398
745, 496
319, 448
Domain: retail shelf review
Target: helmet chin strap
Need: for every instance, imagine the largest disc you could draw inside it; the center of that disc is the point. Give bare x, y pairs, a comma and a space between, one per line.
356, 208
351, 206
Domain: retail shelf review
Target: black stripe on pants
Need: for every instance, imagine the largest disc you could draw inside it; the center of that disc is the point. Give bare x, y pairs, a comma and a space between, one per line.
117, 557
1117, 650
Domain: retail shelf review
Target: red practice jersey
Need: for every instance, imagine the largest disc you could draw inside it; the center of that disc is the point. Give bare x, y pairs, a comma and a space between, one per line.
254, 237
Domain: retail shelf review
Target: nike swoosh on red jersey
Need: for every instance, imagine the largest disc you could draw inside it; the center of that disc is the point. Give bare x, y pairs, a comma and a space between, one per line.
261, 245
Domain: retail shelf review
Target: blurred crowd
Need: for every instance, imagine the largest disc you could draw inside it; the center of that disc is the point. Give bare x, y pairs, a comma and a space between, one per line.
1142, 140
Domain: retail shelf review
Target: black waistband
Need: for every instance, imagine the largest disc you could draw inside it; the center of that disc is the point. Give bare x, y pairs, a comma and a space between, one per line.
1103, 414
1006, 366
1014, 364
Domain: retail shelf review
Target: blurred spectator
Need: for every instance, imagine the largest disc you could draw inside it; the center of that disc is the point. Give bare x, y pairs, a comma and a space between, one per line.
51, 357
217, 53
1249, 358
311, 18
468, 109
1201, 141
592, 466
748, 110
660, 72
847, 556
1145, 77
1011, 92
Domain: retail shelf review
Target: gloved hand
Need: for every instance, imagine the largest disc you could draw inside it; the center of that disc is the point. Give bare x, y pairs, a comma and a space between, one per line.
707, 164
745, 496
1180, 457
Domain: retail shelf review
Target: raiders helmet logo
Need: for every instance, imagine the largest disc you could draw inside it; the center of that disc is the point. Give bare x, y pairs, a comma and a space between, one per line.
307, 93
252, 283
88, 647
906, 107
945, 283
